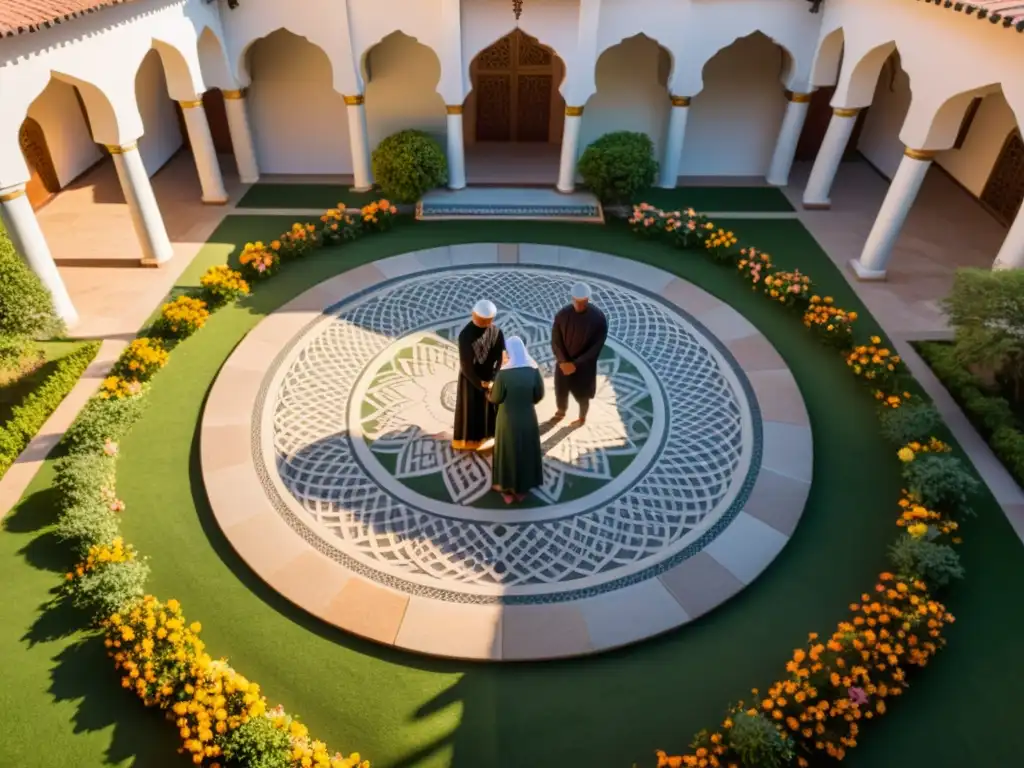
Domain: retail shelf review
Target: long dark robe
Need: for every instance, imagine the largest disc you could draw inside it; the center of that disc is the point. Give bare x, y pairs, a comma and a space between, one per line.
578, 338
518, 458
479, 359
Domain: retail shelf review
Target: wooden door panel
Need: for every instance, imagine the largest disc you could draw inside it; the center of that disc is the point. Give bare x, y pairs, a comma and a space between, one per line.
43, 183
533, 107
494, 107
1004, 190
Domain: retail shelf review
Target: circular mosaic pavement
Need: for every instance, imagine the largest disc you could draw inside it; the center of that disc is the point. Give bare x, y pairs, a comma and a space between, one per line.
327, 457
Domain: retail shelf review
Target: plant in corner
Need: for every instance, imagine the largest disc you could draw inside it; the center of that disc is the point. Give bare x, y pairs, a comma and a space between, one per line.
26, 312
619, 166
408, 164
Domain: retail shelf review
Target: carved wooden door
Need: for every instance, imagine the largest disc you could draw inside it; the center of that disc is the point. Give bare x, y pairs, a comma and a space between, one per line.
1004, 190
514, 82
43, 183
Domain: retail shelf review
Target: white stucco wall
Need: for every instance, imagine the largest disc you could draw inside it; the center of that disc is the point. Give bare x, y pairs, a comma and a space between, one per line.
632, 93
401, 90
734, 121
161, 136
299, 123
59, 114
972, 164
880, 137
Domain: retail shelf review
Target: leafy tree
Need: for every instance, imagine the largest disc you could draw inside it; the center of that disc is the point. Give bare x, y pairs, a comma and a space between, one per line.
986, 309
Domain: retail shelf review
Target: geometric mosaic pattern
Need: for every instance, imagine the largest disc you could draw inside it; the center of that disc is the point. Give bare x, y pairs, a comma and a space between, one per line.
676, 406
407, 411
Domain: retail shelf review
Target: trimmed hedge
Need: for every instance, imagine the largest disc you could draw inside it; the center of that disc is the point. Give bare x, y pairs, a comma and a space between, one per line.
991, 414
30, 415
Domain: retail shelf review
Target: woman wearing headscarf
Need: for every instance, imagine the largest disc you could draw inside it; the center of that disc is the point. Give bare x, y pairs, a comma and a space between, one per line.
518, 459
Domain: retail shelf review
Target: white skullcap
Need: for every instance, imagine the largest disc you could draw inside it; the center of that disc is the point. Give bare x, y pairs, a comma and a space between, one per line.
581, 291
485, 309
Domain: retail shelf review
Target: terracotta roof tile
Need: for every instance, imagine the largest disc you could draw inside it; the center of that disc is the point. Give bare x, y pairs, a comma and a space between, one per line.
20, 16
1006, 13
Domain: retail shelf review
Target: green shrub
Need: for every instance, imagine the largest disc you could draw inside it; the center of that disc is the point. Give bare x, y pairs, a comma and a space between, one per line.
257, 743
619, 166
26, 307
109, 588
941, 482
81, 478
102, 420
86, 524
914, 558
29, 416
759, 743
909, 423
408, 164
986, 310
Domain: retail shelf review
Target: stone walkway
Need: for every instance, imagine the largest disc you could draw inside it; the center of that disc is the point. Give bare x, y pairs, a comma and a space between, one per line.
318, 444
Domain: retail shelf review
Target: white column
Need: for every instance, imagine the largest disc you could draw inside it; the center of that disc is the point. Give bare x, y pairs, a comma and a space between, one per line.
358, 137
138, 193
203, 152
241, 137
456, 148
789, 137
680, 112
886, 230
23, 229
830, 155
570, 149
1011, 253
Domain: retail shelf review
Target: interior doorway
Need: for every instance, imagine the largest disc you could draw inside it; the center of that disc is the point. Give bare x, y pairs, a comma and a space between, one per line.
43, 183
1004, 190
515, 94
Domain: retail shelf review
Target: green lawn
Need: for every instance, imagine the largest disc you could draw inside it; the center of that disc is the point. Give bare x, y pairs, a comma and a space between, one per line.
60, 697
738, 199
13, 393
322, 196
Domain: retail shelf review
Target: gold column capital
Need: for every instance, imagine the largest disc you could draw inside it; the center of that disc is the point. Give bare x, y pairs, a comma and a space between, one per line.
798, 98
846, 111
453, 109
192, 104
13, 194
920, 154
114, 149
354, 101
233, 95
680, 101
573, 111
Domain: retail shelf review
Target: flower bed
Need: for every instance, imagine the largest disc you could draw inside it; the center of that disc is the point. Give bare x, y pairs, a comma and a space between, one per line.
222, 718
832, 686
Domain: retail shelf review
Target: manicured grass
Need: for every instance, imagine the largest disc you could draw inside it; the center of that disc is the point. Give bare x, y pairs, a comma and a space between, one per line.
739, 199
322, 196
15, 392
61, 698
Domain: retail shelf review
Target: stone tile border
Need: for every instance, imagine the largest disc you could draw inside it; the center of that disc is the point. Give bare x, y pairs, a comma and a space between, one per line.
328, 590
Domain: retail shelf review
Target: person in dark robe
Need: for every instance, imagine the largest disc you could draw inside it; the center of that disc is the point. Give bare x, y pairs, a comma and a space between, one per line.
518, 457
481, 345
577, 338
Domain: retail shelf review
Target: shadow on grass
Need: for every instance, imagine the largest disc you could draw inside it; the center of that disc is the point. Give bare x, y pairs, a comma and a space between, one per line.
84, 674
274, 599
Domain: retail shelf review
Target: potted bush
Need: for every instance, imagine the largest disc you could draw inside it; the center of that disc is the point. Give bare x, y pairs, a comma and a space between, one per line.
619, 166
408, 164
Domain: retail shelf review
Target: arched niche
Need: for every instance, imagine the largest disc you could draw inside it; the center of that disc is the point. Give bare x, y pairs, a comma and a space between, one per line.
299, 122
632, 91
401, 76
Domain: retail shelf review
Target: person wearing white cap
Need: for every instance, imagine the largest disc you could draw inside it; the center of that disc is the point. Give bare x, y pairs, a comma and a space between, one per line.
518, 457
577, 338
481, 344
